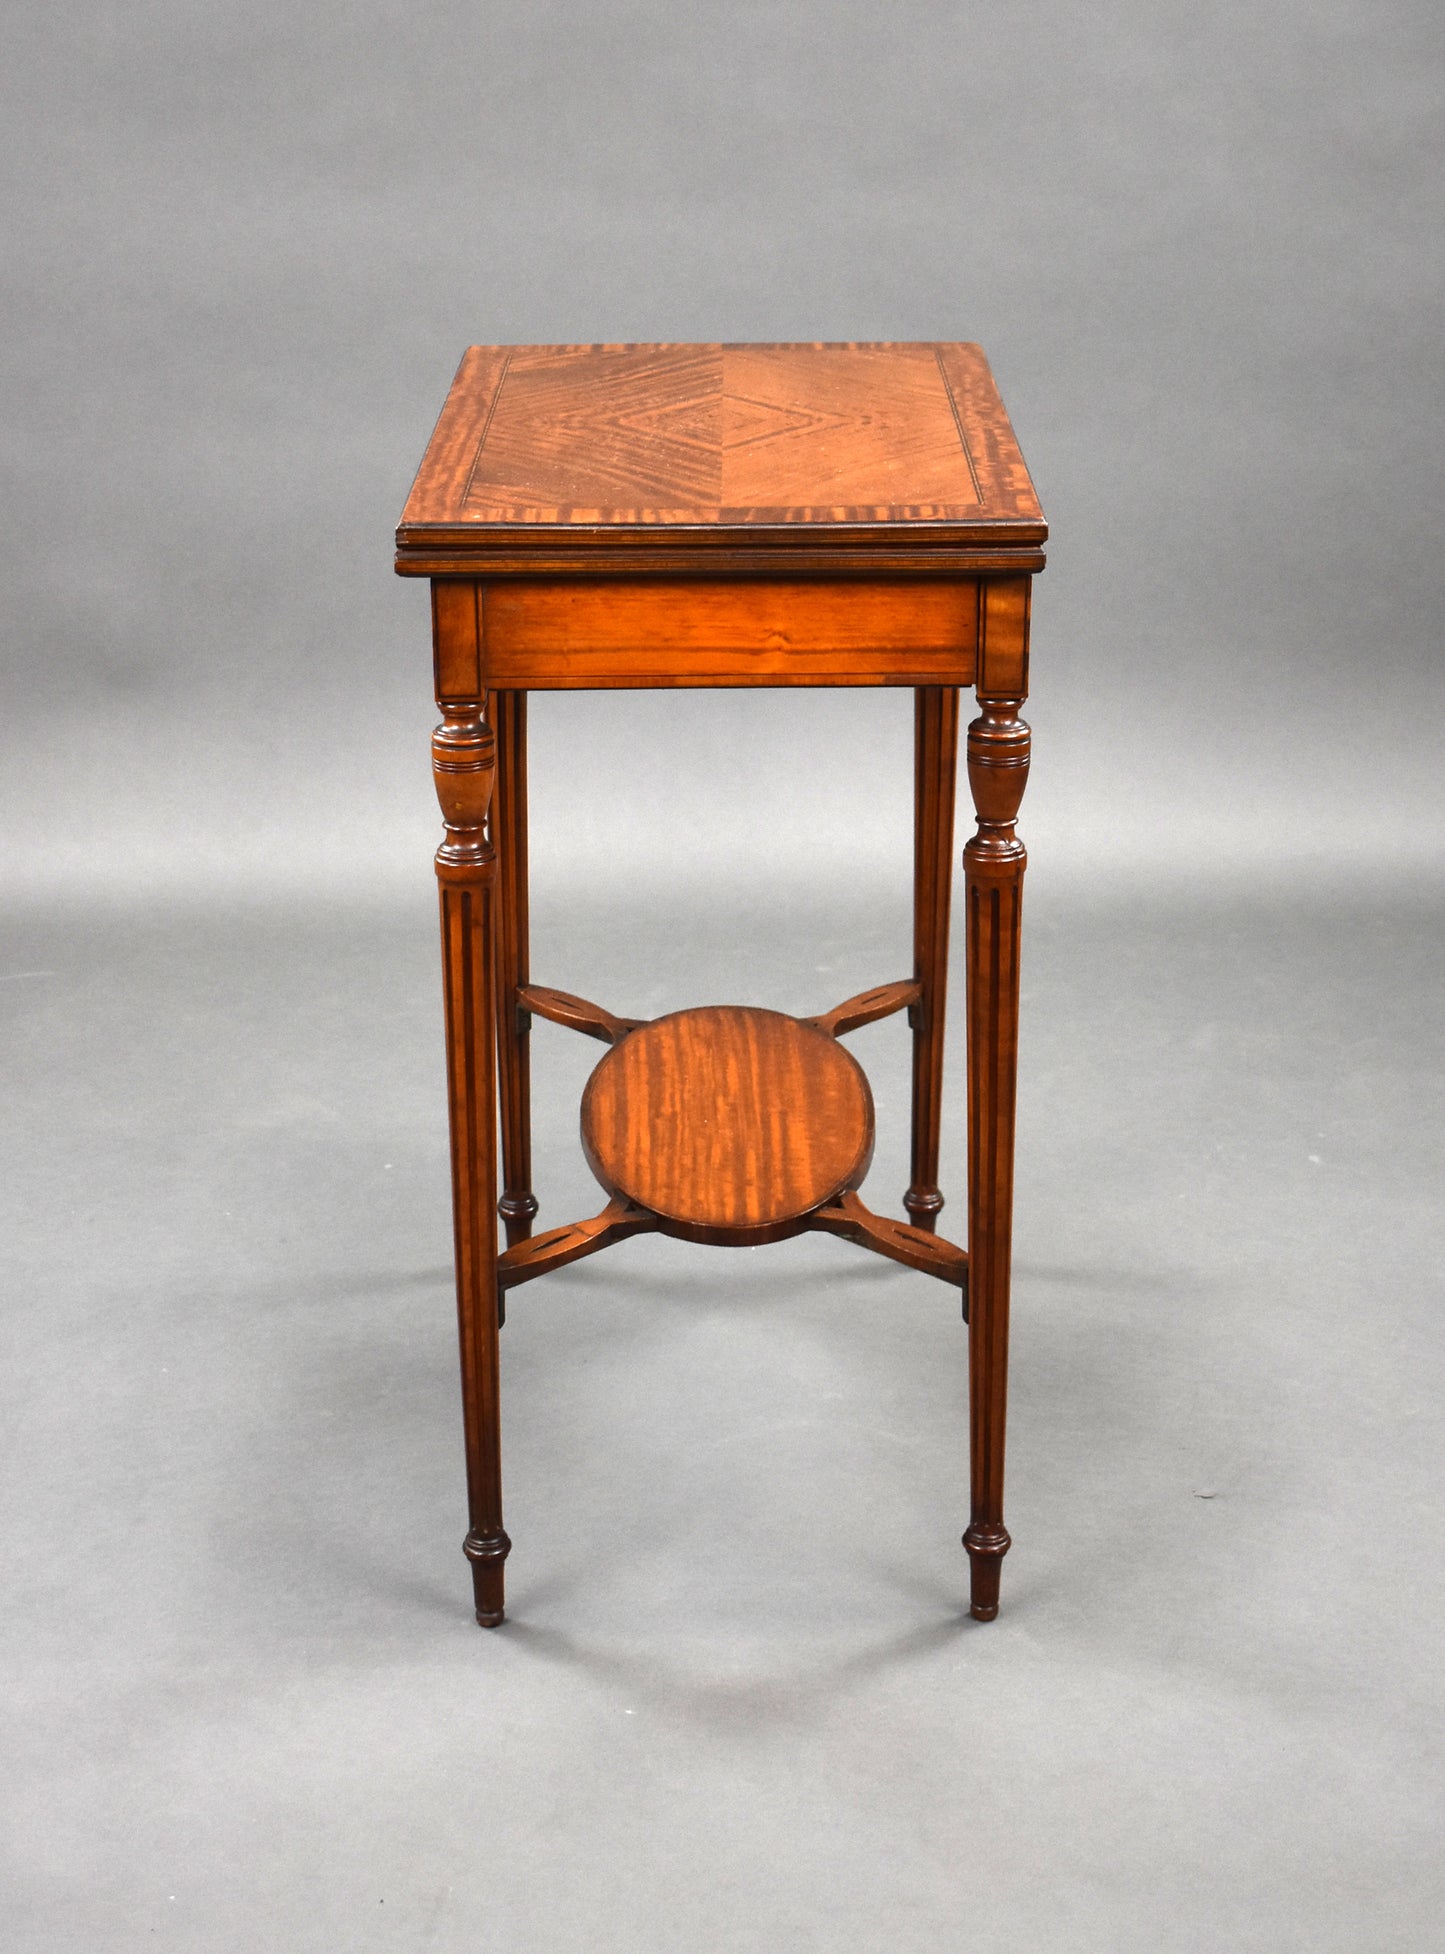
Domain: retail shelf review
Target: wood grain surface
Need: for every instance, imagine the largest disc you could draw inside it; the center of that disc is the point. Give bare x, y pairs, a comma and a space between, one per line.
590, 632
728, 1123
827, 438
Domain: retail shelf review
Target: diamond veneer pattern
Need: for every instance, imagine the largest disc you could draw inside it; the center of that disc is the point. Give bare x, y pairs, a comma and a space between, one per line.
700, 433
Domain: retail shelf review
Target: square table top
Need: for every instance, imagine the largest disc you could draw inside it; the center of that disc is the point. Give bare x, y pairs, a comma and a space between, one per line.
673, 456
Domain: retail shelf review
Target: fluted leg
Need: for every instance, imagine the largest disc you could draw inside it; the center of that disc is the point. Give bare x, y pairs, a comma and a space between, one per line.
935, 773
464, 767
518, 1204
998, 760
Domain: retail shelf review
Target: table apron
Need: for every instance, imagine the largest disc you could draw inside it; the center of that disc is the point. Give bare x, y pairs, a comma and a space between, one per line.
666, 632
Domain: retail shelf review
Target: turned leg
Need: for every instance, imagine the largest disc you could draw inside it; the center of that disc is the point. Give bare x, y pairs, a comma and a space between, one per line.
935, 772
518, 1204
464, 765
998, 760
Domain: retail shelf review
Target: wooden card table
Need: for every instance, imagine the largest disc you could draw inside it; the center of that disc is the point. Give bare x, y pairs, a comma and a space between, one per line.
609, 517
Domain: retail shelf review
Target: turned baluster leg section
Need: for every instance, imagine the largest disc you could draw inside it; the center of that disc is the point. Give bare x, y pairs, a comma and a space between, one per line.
998, 761
935, 776
518, 1204
464, 768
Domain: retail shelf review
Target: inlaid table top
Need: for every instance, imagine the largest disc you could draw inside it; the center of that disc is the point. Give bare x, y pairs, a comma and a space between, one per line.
546, 453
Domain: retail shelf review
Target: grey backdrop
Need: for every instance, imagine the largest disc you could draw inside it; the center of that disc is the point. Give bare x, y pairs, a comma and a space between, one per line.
736, 1707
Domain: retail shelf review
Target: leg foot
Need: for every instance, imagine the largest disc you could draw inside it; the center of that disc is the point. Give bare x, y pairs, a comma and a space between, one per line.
487, 1555
986, 1548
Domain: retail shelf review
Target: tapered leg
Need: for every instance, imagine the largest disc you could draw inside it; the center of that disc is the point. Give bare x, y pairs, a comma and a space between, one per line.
998, 760
464, 766
518, 1204
935, 772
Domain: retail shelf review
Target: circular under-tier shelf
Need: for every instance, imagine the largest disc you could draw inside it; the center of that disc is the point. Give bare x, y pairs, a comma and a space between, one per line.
728, 1123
